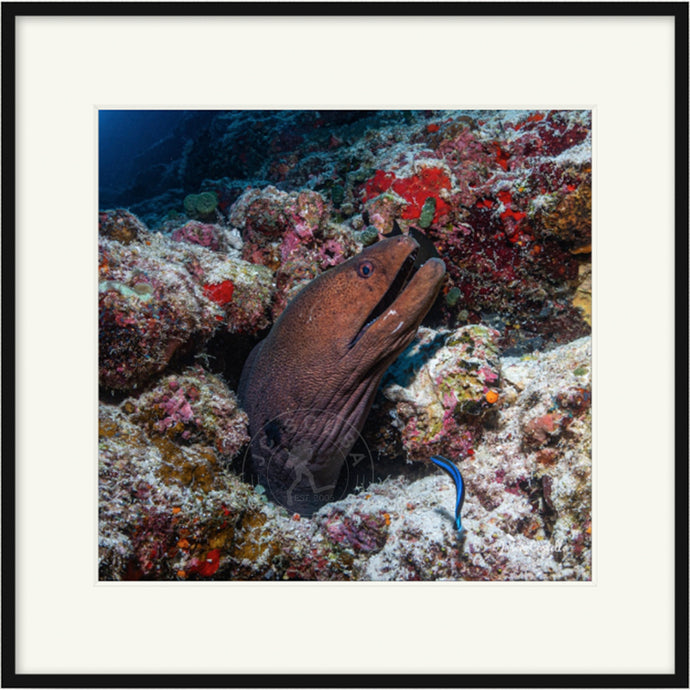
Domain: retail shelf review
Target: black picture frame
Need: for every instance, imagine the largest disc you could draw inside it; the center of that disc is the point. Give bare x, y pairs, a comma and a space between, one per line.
11, 12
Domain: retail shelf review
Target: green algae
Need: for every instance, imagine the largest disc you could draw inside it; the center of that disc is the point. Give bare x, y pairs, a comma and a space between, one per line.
427, 213
141, 291
200, 205
453, 296
368, 236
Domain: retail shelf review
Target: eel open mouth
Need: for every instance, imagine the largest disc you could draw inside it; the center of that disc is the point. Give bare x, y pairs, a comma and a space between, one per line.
402, 278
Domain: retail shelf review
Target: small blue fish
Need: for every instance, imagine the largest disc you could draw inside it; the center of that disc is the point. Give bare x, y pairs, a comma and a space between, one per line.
454, 472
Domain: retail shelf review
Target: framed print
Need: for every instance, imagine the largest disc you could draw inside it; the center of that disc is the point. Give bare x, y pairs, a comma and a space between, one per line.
345, 345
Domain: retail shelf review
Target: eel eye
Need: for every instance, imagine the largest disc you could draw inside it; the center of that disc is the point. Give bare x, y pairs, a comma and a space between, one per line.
365, 269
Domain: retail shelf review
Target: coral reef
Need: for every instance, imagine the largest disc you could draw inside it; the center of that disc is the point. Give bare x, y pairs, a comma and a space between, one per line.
290, 234
520, 224
226, 219
179, 511
160, 299
443, 387
504, 195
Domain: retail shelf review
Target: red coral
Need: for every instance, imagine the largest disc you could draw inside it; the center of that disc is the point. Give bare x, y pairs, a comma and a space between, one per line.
511, 217
378, 184
209, 566
415, 190
220, 293
502, 157
535, 117
505, 197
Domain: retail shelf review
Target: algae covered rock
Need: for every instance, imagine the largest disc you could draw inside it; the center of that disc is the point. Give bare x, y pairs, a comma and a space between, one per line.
201, 206
443, 387
527, 513
193, 406
290, 233
149, 310
161, 504
160, 299
121, 225
172, 508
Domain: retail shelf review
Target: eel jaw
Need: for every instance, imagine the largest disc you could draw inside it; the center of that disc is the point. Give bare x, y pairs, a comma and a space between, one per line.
395, 289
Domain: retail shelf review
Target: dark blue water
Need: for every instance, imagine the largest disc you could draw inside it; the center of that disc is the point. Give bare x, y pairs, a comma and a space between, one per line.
146, 155
124, 134
130, 142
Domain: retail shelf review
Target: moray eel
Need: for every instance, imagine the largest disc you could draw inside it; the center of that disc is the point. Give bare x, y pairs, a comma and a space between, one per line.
308, 386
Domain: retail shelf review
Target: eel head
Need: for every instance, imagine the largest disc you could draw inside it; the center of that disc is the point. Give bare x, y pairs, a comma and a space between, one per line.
394, 296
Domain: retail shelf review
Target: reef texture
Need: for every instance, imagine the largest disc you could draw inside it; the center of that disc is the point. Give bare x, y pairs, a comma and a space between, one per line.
505, 196
172, 506
227, 220
290, 234
162, 297
445, 390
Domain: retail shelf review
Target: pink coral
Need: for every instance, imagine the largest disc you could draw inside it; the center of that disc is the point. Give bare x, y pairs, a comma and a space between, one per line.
291, 235
331, 253
362, 532
203, 234
177, 411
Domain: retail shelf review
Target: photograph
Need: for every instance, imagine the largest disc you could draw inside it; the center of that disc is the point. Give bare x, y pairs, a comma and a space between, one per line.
345, 344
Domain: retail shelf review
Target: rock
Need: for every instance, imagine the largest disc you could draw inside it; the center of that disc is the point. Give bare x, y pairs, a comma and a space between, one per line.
170, 508
121, 225
540, 431
193, 406
203, 234
440, 386
160, 299
582, 300
291, 234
